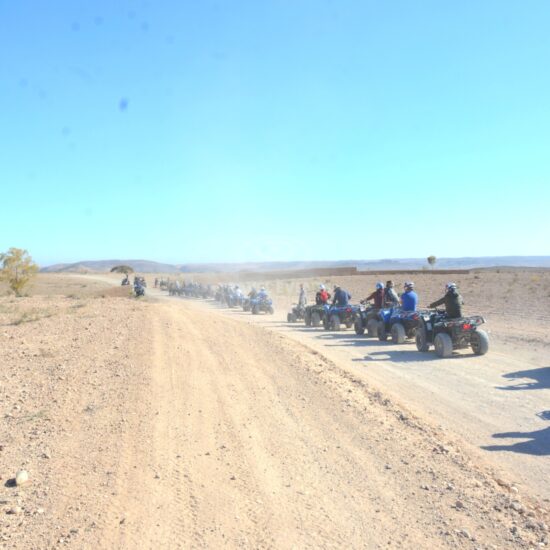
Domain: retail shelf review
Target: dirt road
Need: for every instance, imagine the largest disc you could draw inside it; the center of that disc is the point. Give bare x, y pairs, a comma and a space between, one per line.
498, 403
256, 441
170, 426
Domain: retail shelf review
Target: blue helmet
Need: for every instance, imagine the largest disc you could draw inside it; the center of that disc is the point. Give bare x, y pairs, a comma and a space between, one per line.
379, 285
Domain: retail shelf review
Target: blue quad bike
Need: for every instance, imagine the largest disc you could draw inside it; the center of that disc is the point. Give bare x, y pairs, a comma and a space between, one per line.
335, 316
446, 335
366, 319
261, 305
398, 324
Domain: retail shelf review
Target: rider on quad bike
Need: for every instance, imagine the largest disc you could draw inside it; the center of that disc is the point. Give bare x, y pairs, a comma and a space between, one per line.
341, 296
409, 298
377, 296
453, 301
391, 299
322, 297
449, 330
368, 315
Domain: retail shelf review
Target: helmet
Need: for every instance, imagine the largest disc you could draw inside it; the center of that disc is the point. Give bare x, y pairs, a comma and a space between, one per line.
409, 285
379, 285
262, 288
450, 286
321, 287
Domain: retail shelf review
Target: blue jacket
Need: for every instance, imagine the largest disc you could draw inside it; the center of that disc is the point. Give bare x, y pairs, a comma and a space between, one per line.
341, 297
409, 300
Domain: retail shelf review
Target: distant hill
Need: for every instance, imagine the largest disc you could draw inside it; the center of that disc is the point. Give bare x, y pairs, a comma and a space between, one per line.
146, 266
102, 266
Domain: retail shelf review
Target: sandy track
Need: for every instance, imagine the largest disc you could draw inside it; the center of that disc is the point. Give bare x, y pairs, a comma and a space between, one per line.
169, 426
255, 441
497, 403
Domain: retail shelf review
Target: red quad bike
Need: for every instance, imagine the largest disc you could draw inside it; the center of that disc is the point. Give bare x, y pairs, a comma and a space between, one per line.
446, 335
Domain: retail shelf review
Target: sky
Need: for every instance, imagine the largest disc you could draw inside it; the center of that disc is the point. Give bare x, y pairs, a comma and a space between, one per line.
245, 130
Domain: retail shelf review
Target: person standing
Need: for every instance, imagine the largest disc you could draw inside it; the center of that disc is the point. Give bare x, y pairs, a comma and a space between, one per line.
302, 299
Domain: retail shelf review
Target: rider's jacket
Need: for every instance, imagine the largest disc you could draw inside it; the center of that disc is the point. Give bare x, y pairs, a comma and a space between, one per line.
390, 297
322, 297
453, 303
378, 297
341, 297
409, 300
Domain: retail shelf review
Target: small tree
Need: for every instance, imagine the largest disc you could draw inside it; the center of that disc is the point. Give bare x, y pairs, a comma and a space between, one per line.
17, 269
122, 269
432, 260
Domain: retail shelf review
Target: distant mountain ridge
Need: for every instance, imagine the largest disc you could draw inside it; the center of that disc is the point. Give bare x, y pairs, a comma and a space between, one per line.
147, 266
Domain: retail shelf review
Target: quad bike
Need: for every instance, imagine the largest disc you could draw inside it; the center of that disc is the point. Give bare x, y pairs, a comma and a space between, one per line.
367, 319
314, 315
141, 281
246, 304
446, 334
336, 315
139, 290
234, 300
261, 305
397, 323
297, 313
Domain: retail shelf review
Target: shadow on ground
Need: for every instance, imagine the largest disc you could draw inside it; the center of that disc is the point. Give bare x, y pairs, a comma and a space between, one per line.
540, 377
538, 441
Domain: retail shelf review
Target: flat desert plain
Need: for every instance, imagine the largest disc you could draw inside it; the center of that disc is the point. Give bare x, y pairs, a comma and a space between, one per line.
167, 422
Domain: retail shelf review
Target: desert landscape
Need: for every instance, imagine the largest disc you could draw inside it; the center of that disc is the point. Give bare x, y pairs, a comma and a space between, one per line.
178, 177
167, 422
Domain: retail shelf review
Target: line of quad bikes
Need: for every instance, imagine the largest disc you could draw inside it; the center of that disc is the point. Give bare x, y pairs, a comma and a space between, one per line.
426, 328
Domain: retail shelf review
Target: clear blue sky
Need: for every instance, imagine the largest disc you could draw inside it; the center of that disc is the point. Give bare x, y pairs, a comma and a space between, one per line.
185, 131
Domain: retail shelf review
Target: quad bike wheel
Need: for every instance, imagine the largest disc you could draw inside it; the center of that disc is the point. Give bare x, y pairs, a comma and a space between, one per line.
359, 328
398, 333
349, 324
421, 339
255, 309
335, 322
315, 319
372, 328
479, 342
307, 320
443, 344
382, 334
270, 310
291, 318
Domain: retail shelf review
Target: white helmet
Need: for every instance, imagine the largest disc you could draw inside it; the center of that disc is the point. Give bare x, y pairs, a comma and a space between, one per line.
379, 285
262, 288
409, 285
321, 287
450, 286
